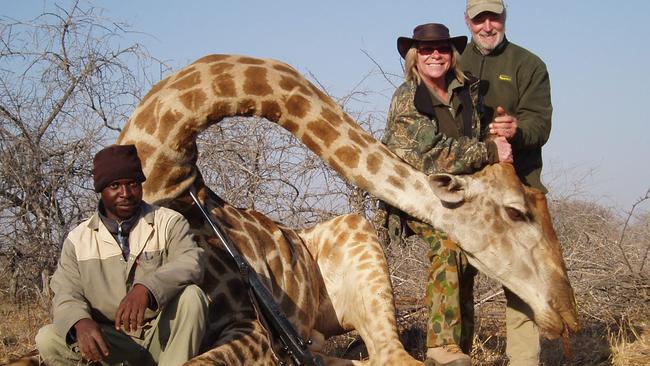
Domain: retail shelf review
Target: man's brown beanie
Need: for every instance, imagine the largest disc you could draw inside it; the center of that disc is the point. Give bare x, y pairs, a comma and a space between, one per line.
116, 162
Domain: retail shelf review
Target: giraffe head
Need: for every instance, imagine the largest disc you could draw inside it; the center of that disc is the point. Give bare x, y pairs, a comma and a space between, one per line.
507, 234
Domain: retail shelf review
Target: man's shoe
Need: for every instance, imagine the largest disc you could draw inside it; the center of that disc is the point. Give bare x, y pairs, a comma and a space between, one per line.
447, 355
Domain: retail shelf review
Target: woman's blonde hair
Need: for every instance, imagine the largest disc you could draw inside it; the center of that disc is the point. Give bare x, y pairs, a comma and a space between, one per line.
411, 69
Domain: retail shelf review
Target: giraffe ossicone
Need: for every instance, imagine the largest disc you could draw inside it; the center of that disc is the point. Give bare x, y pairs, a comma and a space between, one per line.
333, 277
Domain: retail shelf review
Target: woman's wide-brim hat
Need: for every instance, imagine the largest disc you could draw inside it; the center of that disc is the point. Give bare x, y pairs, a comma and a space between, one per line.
430, 32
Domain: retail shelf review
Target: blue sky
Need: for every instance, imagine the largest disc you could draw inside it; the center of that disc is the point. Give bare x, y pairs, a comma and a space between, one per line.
594, 51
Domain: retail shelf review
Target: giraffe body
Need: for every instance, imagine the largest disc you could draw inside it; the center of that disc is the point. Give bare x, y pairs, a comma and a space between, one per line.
333, 277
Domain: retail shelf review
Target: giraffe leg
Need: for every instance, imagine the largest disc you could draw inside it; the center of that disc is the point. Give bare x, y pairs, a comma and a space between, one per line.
243, 343
358, 290
235, 336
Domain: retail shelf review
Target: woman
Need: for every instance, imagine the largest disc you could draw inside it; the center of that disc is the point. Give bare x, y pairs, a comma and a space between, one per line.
433, 125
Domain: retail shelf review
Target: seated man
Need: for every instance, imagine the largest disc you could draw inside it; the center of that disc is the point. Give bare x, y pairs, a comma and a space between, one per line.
125, 286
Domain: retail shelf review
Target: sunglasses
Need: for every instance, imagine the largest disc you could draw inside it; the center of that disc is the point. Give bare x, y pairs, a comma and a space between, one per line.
427, 49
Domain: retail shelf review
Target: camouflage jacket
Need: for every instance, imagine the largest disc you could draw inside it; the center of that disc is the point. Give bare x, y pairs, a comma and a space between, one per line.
414, 133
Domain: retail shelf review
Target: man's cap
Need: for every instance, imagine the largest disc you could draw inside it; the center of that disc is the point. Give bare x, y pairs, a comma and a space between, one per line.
476, 7
430, 32
116, 162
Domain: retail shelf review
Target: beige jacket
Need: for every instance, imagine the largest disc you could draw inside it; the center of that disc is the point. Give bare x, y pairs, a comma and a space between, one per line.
92, 277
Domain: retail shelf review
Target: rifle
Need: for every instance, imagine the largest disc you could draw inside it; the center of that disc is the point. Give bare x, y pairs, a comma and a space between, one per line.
292, 344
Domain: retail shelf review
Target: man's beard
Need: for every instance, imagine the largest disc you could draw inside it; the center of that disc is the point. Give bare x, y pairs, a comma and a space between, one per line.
488, 46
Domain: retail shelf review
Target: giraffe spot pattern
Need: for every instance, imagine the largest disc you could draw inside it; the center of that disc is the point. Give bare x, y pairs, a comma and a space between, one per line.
176, 176
332, 117
188, 70
193, 99
373, 162
271, 110
218, 111
335, 165
187, 81
348, 155
125, 132
323, 131
297, 105
396, 182
322, 96
221, 68
290, 84
144, 149
363, 182
288, 70
158, 172
167, 124
347, 119
356, 138
353, 221
145, 119
236, 288
341, 237
154, 90
402, 171
263, 221
365, 266
211, 59
224, 86
362, 237
356, 251
255, 82
370, 140
419, 186
250, 61
313, 146
246, 108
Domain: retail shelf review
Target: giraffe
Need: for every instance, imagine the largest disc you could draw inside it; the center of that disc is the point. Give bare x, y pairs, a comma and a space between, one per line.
333, 277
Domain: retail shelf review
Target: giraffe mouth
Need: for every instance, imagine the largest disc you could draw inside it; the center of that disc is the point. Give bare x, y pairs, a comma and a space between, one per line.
560, 323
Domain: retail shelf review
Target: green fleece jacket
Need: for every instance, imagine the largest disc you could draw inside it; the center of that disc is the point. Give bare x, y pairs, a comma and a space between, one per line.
517, 80
92, 277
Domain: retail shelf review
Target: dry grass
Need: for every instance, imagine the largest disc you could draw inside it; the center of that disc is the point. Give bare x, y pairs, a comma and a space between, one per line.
630, 345
20, 324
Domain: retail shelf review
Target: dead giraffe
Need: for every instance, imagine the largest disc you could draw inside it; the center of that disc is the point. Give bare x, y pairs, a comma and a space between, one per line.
333, 277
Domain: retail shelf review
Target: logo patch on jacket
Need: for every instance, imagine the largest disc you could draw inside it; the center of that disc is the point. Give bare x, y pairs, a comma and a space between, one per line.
505, 77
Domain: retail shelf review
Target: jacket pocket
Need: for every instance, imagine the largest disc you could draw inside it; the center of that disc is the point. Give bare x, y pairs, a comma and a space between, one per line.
147, 263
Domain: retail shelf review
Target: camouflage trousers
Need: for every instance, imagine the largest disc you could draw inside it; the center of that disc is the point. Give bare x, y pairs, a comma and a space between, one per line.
449, 291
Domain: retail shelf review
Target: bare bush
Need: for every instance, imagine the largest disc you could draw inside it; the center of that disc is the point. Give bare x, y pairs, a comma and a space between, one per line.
605, 255
66, 85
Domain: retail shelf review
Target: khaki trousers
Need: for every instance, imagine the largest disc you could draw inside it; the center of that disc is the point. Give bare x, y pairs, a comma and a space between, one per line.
174, 338
522, 339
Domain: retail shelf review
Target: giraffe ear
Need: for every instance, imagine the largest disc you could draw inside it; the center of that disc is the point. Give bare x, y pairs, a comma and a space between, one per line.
449, 188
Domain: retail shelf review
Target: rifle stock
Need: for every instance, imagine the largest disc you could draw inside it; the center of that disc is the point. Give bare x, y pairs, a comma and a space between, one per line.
293, 345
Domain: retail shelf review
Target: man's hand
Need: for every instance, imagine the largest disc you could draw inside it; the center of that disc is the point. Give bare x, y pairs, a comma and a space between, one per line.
130, 313
504, 149
91, 341
504, 125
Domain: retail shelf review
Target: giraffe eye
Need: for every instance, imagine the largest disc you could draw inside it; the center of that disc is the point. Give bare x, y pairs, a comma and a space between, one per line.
515, 214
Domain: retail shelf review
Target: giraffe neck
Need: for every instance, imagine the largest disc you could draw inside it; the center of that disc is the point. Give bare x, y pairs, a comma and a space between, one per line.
166, 124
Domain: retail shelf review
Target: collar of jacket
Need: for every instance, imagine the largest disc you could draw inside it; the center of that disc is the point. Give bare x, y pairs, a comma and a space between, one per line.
147, 213
495, 52
423, 100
